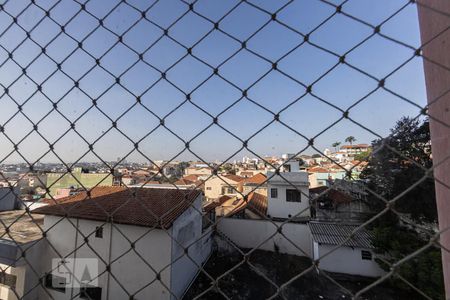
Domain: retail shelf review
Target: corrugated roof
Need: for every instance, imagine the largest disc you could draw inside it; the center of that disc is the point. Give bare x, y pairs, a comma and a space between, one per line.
134, 206
337, 234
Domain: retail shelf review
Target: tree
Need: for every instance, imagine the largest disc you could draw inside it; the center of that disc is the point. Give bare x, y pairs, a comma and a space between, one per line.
335, 145
350, 140
396, 164
363, 156
399, 162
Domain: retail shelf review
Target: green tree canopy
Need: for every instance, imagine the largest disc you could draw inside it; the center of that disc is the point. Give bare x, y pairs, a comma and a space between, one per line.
350, 139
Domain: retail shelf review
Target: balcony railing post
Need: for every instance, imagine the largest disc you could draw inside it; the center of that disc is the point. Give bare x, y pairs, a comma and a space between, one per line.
434, 19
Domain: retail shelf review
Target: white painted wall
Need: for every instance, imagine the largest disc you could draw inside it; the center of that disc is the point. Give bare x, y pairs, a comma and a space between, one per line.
280, 208
347, 260
247, 233
187, 231
155, 246
128, 268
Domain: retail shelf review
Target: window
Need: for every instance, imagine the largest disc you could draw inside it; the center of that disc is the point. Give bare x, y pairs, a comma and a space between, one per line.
8, 280
91, 293
293, 196
273, 193
99, 232
208, 188
55, 283
366, 255
227, 190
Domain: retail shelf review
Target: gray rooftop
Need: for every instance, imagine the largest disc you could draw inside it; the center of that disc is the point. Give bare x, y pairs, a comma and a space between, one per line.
22, 228
337, 234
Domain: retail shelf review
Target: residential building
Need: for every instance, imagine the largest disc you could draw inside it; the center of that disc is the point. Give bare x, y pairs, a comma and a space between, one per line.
156, 244
288, 195
355, 254
256, 183
219, 185
322, 176
198, 170
334, 204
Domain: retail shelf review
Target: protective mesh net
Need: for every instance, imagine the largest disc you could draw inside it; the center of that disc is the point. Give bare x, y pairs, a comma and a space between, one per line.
92, 81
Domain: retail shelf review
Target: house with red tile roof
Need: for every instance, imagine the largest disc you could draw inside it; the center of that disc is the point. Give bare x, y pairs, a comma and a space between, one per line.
150, 240
219, 185
256, 183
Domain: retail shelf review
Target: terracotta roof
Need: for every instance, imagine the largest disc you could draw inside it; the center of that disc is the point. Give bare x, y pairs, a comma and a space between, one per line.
256, 179
246, 173
192, 177
234, 177
183, 182
218, 202
318, 170
257, 203
133, 206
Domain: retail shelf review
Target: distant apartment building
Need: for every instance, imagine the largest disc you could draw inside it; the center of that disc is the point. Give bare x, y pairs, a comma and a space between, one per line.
198, 170
77, 179
347, 153
355, 149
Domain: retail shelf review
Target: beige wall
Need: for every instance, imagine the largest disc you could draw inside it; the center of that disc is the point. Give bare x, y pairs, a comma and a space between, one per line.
213, 187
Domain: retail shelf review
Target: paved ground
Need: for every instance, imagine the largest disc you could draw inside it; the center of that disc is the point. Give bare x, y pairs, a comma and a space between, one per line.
245, 282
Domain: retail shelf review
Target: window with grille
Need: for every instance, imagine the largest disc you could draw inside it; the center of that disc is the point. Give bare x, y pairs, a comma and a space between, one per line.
273, 193
293, 195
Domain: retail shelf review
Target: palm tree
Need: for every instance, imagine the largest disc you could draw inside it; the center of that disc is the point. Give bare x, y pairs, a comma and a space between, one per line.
336, 145
350, 140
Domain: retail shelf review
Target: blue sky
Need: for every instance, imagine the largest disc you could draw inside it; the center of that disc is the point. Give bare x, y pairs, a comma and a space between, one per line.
342, 87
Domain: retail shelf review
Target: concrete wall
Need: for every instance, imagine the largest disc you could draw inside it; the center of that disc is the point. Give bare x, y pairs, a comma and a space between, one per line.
247, 233
347, 260
187, 232
129, 270
280, 208
27, 272
8, 199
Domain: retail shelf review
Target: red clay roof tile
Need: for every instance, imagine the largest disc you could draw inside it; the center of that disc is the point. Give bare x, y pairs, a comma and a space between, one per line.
133, 206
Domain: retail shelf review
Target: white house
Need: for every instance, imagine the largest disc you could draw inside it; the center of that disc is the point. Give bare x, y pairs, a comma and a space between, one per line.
355, 256
149, 243
288, 192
